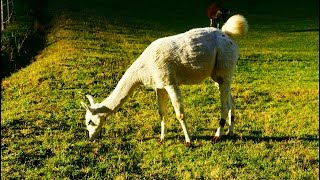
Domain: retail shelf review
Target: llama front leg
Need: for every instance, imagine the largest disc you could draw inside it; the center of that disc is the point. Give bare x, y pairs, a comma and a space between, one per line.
226, 108
162, 100
175, 96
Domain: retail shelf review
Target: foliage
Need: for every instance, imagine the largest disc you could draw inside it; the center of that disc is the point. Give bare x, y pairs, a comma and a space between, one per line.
22, 39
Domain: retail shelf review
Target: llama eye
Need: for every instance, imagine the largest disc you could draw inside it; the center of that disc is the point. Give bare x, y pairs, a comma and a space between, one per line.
91, 123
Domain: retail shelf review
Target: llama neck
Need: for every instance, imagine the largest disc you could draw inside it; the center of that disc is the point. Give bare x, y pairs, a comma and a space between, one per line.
125, 87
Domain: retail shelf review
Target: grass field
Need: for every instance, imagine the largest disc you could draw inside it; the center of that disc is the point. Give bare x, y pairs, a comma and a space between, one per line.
90, 45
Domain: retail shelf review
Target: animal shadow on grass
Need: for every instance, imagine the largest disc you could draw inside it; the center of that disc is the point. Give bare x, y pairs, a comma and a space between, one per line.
306, 30
257, 137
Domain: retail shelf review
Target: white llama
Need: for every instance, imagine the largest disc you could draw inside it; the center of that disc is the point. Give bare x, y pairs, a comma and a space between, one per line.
186, 58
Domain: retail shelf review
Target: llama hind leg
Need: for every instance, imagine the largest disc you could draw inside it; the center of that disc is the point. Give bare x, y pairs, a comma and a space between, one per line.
226, 109
162, 100
175, 96
231, 118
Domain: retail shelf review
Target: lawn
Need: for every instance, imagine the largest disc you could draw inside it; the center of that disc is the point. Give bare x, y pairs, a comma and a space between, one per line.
89, 46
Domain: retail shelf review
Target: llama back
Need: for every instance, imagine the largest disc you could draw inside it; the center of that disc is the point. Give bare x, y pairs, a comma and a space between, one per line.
186, 58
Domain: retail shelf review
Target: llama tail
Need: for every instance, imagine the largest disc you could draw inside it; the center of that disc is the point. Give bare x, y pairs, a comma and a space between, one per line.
236, 25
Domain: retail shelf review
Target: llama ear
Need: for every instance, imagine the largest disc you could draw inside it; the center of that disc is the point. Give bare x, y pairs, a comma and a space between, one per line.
90, 98
85, 106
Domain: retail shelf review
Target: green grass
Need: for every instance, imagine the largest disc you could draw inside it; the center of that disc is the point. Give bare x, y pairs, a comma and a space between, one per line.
90, 46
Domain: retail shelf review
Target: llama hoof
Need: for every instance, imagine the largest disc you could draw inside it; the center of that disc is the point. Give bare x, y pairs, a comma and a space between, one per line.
160, 141
216, 139
189, 145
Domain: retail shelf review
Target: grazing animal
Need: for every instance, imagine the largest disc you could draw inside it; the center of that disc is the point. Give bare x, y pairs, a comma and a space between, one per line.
168, 62
217, 15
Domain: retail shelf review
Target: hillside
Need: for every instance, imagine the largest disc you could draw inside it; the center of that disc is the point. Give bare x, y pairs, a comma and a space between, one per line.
88, 47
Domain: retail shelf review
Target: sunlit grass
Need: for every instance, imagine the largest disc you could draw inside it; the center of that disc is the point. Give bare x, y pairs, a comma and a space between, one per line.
88, 49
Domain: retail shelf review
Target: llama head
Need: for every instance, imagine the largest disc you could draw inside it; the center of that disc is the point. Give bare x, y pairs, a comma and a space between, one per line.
95, 116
